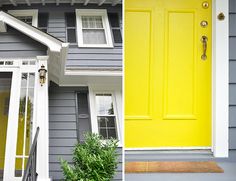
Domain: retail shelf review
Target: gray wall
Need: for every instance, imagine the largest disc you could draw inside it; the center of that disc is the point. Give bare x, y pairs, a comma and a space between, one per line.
232, 75
88, 58
64, 120
15, 44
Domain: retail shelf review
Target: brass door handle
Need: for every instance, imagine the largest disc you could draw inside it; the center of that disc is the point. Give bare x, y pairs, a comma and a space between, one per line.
204, 43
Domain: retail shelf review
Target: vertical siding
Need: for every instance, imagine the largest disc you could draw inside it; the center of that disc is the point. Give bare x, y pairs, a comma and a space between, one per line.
64, 120
232, 75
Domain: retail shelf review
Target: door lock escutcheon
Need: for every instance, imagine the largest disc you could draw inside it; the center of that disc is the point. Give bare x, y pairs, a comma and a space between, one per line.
204, 24
204, 40
205, 4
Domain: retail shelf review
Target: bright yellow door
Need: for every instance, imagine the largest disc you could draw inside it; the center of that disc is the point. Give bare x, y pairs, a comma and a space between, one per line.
167, 83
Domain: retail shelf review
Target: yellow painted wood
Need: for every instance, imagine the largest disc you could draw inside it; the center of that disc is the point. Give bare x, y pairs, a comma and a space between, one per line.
167, 84
3, 126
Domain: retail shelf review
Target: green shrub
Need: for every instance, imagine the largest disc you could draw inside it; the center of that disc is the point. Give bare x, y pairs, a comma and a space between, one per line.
94, 160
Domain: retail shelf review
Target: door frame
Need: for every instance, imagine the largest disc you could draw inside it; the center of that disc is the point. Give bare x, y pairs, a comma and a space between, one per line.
220, 79
17, 67
10, 149
220, 84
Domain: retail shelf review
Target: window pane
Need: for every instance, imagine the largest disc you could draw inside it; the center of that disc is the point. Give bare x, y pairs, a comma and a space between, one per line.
18, 166
94, 36
104, 104
112, 133
117, 36
103, 133
70, 19
107, 126
92, 22
71, 36
26, 19
43, 20
113, 19
101, 121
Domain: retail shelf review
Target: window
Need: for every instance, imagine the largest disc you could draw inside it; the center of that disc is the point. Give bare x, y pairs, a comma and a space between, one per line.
93, 28
106, 116
70, 27
28, 16
115, 27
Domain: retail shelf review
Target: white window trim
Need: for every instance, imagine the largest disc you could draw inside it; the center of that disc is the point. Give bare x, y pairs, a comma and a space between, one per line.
29, 12
93, 12
93, 112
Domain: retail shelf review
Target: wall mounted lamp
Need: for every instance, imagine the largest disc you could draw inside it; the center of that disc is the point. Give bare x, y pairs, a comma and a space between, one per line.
42, 75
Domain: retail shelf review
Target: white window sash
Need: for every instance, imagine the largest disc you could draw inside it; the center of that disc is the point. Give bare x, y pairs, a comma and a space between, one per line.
106, 26
29, 12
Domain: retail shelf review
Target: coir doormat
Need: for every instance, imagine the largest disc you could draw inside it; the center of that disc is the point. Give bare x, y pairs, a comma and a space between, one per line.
173, 167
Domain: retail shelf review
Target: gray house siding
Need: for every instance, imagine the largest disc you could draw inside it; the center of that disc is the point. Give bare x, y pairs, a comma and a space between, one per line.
15, 44
232, 77
82, 58
64, 121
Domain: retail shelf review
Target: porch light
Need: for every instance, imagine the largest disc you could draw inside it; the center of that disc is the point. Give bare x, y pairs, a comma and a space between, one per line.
42, 75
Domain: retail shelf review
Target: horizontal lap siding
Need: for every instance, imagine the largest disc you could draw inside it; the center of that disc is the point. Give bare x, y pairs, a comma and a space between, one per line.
63, 127
83, 58
14, 44
232, 76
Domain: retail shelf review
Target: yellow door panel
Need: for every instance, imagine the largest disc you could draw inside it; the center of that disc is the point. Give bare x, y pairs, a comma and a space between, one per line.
140, 68
167, 84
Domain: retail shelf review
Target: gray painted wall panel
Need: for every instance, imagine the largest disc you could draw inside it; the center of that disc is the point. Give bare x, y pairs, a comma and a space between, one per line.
232, 116
232, 22
232, 78
232, 45
232, 138
232, 6
232, 72
63, 127
15, 44
232, 94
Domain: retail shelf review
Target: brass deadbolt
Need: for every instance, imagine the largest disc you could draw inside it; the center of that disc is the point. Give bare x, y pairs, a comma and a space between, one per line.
221, 16
204, 24
205, 5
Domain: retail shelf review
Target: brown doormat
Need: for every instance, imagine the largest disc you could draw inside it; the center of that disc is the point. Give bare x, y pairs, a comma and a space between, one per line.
173, 167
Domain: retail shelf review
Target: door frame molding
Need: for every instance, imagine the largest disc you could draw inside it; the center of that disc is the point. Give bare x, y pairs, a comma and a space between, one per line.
220, 84
220, 79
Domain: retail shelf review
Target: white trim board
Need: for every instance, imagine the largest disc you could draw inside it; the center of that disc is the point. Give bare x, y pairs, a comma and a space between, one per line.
220, 79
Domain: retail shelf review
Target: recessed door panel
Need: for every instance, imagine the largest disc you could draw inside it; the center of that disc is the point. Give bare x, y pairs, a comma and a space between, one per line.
138, 68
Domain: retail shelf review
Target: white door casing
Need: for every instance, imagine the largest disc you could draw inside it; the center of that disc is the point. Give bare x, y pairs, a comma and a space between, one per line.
40, 117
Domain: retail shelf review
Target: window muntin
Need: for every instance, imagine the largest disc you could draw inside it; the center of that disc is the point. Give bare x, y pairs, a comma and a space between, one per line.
27, 16
106, 116
93, 28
